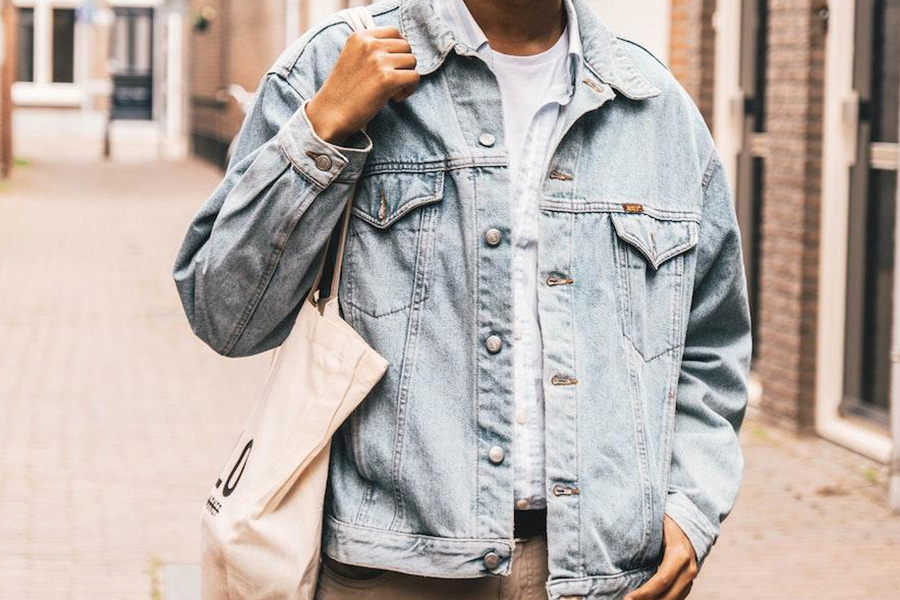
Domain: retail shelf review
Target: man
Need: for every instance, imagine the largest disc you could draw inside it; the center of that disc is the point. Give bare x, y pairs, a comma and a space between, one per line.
543, 246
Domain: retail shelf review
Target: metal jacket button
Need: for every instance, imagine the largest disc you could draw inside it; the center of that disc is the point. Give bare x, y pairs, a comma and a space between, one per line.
554, 280
496, 454
494, 344
487, 140
491, 560
493, 237
323, 162
561, 489
563, 380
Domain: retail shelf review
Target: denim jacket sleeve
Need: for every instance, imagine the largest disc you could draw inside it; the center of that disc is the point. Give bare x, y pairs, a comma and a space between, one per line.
707, 461
252, 251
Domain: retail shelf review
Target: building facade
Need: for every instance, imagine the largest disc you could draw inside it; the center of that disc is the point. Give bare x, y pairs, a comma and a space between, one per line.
802, 98
804, 107
121, 57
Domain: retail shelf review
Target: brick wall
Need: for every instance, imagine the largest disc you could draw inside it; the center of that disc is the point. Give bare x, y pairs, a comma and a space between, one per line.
791, 206
789, 253
692, 52
241, 41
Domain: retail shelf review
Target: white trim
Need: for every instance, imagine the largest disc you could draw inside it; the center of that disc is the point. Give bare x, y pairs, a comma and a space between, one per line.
858, 438
48, 94
728, 100
291, 21
175, 105
839, 144
894, 485
43, 43
135, 3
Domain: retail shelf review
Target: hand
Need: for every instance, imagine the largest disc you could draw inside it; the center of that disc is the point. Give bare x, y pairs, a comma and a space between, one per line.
376, 65
675, 576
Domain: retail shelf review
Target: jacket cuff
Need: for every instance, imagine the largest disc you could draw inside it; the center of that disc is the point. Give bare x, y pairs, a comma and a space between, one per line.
321, 161
693, 523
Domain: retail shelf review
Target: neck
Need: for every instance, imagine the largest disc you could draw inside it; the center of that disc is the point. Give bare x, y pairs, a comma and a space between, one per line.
519, 27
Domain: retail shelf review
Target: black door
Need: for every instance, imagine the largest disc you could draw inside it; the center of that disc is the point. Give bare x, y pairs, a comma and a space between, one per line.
131, 63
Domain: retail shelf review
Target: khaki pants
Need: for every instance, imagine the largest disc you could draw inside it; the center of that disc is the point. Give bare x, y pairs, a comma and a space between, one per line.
339, 581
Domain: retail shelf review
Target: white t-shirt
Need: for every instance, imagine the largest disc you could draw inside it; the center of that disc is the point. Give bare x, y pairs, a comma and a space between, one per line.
524, 85
532, 89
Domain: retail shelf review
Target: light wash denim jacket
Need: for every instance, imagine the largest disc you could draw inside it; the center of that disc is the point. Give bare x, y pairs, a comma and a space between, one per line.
643, 306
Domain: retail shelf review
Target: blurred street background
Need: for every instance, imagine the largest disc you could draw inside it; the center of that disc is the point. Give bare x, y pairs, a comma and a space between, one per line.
115, 120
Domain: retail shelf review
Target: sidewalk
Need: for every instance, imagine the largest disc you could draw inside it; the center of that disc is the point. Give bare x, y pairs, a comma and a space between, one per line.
114, 418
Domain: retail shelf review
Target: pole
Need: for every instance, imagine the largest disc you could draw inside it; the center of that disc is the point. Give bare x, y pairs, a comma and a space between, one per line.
894, 486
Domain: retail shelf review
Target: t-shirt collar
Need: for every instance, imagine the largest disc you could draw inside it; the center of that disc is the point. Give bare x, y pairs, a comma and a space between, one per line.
468, 32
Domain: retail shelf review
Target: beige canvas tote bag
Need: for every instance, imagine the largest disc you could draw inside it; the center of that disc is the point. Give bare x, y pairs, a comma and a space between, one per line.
262, 523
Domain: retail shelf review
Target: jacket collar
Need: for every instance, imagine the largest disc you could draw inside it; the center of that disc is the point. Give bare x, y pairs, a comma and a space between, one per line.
470, 34
432, 39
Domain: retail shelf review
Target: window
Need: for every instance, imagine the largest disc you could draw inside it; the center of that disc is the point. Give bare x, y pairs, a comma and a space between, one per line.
873, 215
63, 45
25, 44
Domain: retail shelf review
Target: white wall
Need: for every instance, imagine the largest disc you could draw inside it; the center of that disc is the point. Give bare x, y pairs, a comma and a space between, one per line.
643, 21
319, 9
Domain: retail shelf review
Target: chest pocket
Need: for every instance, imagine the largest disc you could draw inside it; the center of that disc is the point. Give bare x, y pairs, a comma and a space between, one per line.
652, 256
391, 241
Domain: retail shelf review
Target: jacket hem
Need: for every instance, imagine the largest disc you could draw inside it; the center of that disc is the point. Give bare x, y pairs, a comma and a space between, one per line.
414, 554
598, 587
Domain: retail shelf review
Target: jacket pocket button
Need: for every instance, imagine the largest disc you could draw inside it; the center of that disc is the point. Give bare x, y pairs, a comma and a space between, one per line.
494, 344
323, 162
496, 455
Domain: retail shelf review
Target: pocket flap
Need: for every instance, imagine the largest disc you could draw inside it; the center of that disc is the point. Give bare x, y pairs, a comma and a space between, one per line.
657, 238
383, 198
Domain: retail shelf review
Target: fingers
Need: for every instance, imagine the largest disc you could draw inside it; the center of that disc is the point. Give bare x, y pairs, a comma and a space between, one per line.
366, 40
404, 78
679, 589
655, 587
403, 94
667, 583
394, 45
399, 61
687, 591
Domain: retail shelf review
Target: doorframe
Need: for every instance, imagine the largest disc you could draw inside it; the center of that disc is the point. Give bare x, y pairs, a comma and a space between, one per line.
728, 102
729, 126
839, 143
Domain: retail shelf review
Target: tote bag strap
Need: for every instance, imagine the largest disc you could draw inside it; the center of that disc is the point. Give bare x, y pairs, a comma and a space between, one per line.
357, 17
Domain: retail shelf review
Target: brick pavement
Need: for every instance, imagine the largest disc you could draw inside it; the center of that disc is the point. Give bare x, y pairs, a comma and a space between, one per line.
113, 417
114, 420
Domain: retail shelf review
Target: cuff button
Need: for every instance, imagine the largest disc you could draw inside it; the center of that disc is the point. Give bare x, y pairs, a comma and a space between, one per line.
323, 162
